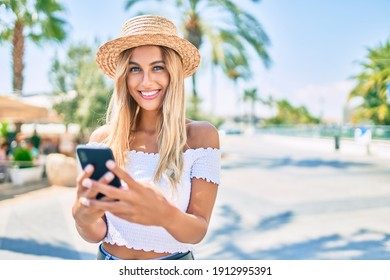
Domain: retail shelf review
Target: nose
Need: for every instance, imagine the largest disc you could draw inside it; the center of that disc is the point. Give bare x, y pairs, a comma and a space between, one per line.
147, 78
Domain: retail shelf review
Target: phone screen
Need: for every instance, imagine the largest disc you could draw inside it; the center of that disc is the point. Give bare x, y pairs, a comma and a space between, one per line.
97, 156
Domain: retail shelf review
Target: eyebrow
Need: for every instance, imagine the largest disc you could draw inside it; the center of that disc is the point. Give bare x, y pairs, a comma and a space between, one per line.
152, 63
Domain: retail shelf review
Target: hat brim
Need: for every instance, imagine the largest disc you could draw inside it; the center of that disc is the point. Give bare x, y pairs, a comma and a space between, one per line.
107, 55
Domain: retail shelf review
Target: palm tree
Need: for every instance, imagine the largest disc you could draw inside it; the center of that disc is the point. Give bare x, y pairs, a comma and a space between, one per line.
251, 96
288, 114
372, 85
222, 29
37, 21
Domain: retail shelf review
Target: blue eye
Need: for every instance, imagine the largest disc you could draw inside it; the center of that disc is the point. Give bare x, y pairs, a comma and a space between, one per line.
158, 67
134, 69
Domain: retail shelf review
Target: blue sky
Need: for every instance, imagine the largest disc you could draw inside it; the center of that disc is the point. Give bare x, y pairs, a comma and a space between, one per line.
315, 46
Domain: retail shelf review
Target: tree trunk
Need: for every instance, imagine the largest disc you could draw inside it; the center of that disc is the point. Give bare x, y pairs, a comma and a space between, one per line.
213, 92
194, 90
253, 112
195, 99
194, 35
17, 57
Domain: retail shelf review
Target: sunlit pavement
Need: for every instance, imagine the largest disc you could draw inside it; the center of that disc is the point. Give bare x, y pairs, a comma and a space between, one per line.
280, 198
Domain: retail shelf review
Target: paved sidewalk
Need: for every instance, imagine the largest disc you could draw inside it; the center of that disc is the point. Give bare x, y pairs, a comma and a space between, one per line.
298, 198
39, 225
8, 190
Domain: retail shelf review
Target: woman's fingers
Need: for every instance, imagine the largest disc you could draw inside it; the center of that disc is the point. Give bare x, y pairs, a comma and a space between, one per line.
114, 168
111, 195
89, 184
101, 186
86, 173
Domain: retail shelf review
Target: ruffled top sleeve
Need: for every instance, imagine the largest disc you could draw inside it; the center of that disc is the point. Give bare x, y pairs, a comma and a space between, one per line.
207, 165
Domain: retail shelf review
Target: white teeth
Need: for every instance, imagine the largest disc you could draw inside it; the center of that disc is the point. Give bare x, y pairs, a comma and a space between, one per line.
149, 93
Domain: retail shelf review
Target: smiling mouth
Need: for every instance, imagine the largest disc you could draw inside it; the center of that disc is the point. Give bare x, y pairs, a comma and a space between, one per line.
149, 94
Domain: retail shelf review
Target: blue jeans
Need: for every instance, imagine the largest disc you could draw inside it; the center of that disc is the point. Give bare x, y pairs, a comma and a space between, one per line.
104, 255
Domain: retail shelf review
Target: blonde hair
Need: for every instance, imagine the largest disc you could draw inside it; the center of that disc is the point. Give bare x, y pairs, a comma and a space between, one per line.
123, 117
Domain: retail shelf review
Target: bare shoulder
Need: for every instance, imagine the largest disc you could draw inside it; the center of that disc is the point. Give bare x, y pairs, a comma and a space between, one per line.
202, 134
99, 135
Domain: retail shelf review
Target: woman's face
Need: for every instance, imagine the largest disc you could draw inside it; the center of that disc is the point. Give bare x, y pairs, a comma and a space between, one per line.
148, 78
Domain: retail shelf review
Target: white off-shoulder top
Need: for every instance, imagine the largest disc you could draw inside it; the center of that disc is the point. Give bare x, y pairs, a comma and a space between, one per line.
202, 163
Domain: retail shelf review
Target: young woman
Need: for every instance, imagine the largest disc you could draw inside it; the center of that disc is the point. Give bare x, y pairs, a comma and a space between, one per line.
169, 166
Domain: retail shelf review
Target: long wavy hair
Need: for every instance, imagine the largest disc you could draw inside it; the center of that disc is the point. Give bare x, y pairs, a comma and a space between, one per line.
123, 117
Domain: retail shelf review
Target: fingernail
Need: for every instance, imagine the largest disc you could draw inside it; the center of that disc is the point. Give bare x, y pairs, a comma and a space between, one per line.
88, 168
124, 186
87, 183
109, 176
85, 201
110, 164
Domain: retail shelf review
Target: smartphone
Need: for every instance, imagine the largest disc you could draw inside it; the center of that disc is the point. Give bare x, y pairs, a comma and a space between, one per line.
97, 156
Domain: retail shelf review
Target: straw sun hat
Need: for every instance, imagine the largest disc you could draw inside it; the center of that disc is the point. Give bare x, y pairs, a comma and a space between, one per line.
147, 30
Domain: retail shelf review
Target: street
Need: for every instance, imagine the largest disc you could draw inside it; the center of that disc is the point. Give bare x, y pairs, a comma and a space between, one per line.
279, 198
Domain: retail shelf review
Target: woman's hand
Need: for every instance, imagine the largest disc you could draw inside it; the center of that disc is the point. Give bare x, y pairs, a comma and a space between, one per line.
84, 215
136, 202
90, 222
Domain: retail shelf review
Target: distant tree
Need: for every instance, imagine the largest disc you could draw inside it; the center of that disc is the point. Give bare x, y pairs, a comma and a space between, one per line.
82, 89
236, 67
63, 76
95, 94
35, 20
373, 84
270, 102
251, 96
288, 114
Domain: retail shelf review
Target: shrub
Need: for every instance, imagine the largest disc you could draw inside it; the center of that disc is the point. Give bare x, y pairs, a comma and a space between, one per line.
22, 158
